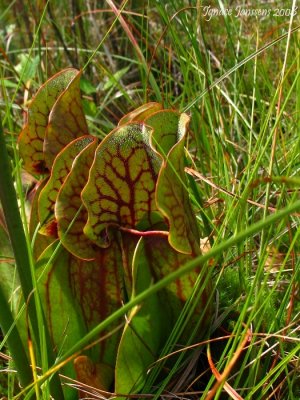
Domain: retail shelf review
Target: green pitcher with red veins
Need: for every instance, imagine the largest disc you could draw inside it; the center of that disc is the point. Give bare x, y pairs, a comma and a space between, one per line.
119, 211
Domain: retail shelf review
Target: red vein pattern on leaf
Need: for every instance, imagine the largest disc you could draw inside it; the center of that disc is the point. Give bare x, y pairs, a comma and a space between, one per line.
97, 287
163, 259
174, 201
65, 322
121, 186
41, 241
31, 139
172, 196
61, 168
69, 204
66, 121
49, 280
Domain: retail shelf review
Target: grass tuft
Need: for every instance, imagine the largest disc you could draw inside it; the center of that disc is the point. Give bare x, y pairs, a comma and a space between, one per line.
238, 78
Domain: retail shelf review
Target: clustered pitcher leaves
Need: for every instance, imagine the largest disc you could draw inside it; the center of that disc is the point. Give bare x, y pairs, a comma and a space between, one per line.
121, 212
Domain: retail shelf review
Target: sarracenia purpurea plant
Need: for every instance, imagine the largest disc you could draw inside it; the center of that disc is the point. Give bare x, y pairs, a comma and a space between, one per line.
108, 219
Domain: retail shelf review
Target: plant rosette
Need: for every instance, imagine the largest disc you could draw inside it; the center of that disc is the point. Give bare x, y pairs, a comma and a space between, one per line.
120, 211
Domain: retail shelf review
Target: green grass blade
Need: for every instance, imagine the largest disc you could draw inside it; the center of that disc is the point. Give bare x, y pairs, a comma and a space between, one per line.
9, 202
14, 342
